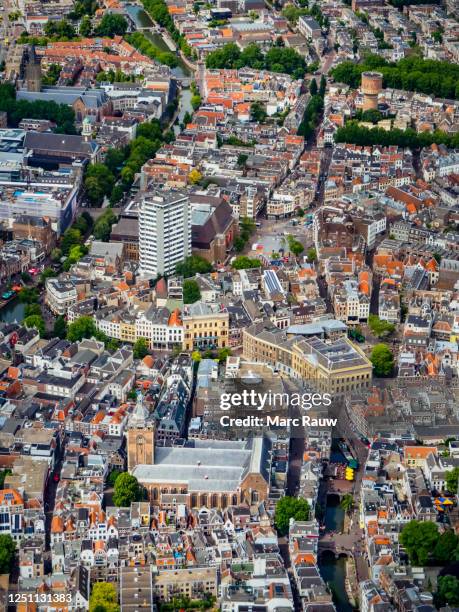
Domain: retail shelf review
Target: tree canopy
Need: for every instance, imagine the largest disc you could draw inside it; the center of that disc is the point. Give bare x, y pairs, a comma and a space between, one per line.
382, 360
7, 549
295, 246
439, 78
111, 478
447, 591
290, 507
276, 59
347, 502
28, 295
104, 598
103, 225
83, 327
192, 265
140, 348
127, 490
60, 328
292, 13
419, 539
452, 480
243, 263
83, 7
35, 322
191, 292
61, 114
379, 327
61, 28
70, 238
257, 112
111, 25
75, 254
446, 549
99, 182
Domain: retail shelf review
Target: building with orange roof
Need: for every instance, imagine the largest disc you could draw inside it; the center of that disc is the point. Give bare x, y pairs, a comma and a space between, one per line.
416, 456
57, 529
175, 318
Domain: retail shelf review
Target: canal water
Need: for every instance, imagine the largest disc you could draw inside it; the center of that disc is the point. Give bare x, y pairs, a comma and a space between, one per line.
334, 515
143, 20
14, 311
333, 570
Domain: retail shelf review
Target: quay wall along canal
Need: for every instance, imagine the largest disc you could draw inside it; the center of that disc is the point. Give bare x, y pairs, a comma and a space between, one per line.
181, 71
335, 570
143, 20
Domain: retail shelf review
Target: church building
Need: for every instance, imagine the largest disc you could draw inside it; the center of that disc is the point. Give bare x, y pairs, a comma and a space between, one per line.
202, 473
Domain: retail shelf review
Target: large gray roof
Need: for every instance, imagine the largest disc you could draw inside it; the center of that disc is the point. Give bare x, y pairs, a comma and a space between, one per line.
208, 466
92, 98
63, 143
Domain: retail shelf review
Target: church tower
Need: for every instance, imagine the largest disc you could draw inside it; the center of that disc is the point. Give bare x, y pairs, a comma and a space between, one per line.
33, 72
86, 131
140, 436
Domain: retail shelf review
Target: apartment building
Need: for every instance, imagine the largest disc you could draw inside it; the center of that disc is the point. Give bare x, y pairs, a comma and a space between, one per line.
309, 27
164, 232
60, 295
191, 582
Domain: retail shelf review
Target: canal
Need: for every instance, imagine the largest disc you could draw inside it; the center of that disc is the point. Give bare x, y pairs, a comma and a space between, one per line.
143, 20
333, 570
14, 311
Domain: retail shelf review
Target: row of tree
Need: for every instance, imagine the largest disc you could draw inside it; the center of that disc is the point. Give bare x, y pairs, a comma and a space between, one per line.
353, 133
110, 25
145, 46
434, 77
246, 225
112, 178
276, 59
314, 108
160, 13
103, 225
60, 114
115, 76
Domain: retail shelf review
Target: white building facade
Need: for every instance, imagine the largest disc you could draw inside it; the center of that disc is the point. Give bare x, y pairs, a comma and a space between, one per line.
164, 232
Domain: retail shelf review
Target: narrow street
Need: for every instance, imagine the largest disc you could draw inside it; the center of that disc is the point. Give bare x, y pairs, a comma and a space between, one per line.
293, 481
